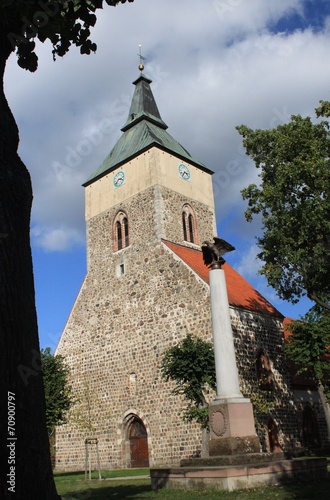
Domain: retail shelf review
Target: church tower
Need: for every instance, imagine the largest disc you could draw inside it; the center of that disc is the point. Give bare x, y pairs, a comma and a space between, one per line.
149, 188
148, 208
137, 299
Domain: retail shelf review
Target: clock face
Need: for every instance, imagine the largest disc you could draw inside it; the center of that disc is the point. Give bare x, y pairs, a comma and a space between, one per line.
119, 179
184, 172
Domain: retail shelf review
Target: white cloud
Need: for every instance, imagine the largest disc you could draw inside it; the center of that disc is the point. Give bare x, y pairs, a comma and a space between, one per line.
215, 65
249, 264
212, 70
55, 239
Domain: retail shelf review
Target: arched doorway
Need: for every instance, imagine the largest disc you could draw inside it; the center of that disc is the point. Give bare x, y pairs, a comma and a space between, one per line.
274, 445
138, 442
310, 428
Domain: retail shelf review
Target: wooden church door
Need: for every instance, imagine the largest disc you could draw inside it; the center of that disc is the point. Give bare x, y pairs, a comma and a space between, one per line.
138, 444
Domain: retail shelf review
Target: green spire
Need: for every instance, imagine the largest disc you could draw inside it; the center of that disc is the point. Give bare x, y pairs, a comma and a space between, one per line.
143, 105
143, 129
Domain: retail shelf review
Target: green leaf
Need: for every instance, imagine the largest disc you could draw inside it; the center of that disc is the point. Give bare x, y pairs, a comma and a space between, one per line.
63, 23
58, 392
293, 200
190, 365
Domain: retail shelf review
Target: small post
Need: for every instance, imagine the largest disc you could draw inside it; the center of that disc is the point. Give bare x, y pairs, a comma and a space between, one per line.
98, 460
88, 456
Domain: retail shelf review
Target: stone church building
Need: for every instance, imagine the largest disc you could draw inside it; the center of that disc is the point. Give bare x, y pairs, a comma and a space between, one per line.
148, 208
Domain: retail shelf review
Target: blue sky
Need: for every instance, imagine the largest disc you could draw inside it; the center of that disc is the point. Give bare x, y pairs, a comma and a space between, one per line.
215, 64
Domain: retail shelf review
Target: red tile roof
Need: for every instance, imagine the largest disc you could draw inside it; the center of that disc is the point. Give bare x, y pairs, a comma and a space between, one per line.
286, 330
240, 292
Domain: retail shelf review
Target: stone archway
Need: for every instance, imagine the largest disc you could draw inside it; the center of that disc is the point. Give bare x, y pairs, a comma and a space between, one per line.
138, 443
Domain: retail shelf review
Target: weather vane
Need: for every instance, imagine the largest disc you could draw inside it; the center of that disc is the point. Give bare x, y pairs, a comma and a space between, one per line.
141, 65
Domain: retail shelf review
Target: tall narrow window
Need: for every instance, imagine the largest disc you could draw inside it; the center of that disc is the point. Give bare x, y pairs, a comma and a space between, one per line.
191, 228
125, 223
189, 225
121, 231
119, 236
184, 225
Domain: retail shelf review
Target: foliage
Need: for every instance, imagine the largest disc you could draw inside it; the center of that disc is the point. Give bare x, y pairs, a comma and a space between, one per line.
263, 404
190, 364
81, 414
84, 414
293, 199
263, 395
58, 393
309, 347
62, 22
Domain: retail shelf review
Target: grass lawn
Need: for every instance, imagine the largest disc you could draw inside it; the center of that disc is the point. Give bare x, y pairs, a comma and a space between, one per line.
72, 486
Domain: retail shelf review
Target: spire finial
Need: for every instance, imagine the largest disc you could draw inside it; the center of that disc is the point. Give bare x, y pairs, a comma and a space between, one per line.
141, 65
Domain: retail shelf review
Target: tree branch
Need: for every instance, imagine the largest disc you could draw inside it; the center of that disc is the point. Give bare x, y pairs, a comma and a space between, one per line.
312, 296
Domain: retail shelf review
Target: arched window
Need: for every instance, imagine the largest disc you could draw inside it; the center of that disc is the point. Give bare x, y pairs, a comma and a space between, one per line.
121, 231
189, 225
264, 371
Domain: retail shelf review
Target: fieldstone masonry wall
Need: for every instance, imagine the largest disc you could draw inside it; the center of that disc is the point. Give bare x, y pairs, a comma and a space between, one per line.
114, 343
124, 320
252, 332
121, 326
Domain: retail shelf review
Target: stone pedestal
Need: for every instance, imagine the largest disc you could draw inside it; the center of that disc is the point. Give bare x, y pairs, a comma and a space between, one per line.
232, 429
256, 472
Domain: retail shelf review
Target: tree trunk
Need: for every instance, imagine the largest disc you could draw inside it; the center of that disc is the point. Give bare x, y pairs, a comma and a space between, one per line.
25, 466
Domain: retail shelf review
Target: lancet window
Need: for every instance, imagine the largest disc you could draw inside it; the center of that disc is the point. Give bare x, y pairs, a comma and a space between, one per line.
189, 224
121, 231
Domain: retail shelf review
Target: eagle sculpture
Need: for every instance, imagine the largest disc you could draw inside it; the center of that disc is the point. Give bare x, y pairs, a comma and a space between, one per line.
213, 252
